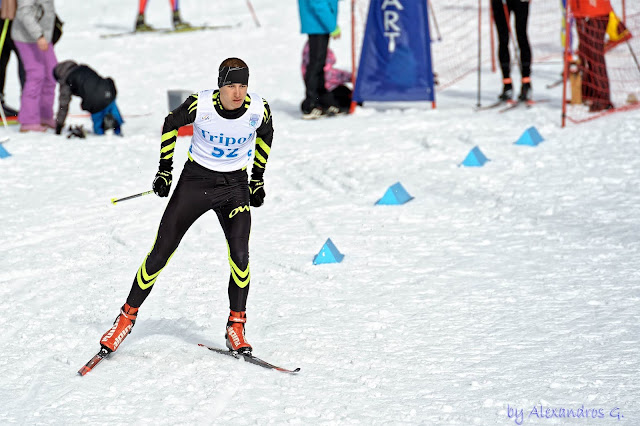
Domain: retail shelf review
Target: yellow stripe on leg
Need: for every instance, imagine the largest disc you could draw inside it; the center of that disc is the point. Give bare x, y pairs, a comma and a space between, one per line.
240, 277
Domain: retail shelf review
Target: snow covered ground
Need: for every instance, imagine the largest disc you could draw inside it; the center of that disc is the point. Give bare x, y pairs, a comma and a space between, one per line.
496, 291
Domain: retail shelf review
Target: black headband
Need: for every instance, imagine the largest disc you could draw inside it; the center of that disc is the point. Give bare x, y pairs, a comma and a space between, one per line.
233, 75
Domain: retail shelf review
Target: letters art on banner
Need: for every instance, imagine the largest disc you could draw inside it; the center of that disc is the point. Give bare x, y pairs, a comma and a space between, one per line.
395, 62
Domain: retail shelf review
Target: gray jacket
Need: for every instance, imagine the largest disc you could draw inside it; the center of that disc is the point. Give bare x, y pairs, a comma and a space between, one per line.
34, 18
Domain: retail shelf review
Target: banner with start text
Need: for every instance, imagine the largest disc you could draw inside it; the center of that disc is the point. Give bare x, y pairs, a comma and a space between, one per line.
395, 62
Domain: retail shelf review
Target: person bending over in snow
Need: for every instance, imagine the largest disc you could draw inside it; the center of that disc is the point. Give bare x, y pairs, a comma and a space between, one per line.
98, 96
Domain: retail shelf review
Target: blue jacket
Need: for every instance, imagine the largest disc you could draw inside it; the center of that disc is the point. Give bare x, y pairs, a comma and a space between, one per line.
318, 16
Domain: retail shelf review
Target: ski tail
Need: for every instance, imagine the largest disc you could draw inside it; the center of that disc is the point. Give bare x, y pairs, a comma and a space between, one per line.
97, 358
528, 103
490, 106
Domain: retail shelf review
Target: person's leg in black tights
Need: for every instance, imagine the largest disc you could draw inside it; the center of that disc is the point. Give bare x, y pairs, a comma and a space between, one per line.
314, 78
500, 19
521, 11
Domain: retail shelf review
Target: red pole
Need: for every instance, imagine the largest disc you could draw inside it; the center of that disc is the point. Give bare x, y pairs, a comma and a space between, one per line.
430, 10
253, 13
352, 107
493, 45
565, 71
478, 103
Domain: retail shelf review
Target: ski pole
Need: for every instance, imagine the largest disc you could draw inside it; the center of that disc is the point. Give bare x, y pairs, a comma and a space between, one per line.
435, 21
253, 13
633, 54
116, 200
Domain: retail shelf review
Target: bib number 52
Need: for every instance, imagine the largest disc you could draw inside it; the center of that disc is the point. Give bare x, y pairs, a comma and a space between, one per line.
218, 152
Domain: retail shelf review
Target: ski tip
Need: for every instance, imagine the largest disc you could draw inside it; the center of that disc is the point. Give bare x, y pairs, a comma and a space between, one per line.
84, 370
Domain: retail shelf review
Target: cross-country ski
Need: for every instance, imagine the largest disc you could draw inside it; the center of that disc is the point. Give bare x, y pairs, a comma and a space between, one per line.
249, 358
170, 30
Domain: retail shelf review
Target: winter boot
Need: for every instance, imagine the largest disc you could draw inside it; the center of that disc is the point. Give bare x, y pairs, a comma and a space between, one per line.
121, 328
235, 333
178, 23
141, 25
507, 90
333, 110
8, 111
315, 112
525, 90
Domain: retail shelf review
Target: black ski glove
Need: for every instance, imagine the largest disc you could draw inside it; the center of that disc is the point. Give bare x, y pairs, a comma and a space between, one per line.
162, 183
256, 192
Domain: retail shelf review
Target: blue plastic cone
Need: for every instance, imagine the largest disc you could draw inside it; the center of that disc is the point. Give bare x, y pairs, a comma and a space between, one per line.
530, 137
328, 254
475, 158
396, 194
3, 152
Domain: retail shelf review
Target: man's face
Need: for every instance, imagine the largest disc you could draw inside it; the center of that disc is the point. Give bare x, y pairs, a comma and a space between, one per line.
232, 95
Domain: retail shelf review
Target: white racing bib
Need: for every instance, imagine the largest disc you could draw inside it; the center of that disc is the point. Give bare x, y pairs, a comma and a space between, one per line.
221, 144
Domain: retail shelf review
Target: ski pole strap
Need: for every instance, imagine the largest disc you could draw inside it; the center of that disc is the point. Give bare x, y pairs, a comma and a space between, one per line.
117, 200
240, 317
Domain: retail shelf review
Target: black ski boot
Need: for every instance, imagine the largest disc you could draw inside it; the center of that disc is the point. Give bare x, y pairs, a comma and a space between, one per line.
178, 23
507, 90
525, 90
141, 25
8, 111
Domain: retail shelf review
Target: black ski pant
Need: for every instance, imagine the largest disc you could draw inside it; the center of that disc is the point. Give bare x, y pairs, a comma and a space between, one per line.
198, 191
520, 9
316, 95
5, 56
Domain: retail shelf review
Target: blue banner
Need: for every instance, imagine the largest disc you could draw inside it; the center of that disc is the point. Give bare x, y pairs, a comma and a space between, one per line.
395, 62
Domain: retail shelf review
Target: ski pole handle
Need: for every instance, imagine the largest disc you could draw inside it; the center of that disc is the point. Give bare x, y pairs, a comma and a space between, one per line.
116, 200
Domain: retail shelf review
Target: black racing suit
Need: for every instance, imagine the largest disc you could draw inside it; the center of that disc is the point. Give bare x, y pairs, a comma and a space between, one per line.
199, 190
520, 9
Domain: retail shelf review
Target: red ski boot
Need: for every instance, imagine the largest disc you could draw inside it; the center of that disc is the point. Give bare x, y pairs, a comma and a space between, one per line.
235, 333
121, 328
